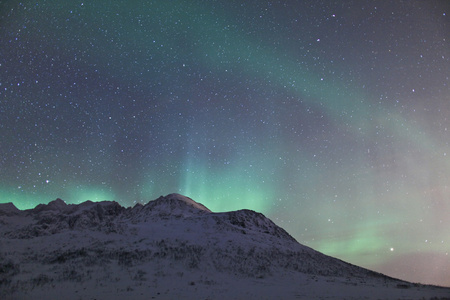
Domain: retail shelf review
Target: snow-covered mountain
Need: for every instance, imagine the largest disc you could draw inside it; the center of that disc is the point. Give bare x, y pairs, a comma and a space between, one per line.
172, 248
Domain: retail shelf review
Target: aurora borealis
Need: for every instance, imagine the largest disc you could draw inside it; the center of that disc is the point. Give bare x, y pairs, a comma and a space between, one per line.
330, 117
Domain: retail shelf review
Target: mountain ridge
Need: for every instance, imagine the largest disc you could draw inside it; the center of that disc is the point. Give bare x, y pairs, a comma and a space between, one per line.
164, 238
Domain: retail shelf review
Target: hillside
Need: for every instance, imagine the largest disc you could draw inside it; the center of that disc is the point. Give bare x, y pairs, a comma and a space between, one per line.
172, 247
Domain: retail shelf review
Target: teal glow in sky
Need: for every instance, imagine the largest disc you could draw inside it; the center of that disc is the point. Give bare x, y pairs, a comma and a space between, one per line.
331, 118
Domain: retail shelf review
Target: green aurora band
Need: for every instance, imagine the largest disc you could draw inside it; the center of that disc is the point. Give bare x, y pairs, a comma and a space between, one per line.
385, 189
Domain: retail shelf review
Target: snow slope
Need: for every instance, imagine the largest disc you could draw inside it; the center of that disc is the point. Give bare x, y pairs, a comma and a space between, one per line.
172, 248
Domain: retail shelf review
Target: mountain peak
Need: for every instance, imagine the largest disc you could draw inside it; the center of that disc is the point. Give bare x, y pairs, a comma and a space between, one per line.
175, 205
8, 209
55, 205
187, 200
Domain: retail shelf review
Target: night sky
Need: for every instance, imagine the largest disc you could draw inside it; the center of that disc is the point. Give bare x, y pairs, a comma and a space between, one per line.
330, 117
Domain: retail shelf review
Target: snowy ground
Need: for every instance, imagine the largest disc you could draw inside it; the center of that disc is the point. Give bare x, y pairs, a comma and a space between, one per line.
142, 284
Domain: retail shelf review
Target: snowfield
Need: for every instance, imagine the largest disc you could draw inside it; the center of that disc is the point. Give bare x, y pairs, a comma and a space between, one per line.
173, 248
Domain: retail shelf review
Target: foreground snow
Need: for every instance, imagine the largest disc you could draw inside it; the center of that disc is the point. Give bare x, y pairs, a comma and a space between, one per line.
172, 248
